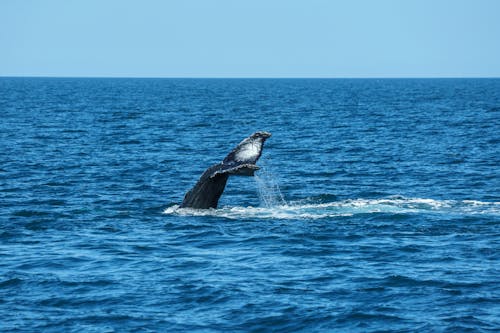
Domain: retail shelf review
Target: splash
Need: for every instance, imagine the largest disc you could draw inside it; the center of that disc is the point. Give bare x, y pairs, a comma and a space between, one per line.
306, 209
268, 189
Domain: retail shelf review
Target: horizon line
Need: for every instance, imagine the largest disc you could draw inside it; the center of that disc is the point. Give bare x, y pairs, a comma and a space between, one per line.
247, 77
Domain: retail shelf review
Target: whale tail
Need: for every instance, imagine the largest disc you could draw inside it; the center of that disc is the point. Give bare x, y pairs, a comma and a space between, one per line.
239, 162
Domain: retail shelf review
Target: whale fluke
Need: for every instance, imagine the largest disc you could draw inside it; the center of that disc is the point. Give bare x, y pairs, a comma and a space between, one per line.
239, 162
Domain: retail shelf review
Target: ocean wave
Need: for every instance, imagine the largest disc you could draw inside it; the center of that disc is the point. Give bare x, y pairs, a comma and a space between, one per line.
305, 209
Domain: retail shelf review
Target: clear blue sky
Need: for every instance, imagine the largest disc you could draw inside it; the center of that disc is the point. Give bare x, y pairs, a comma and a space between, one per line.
252, 38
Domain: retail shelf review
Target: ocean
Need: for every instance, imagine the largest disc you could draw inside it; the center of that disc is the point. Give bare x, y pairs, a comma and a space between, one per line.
377, 206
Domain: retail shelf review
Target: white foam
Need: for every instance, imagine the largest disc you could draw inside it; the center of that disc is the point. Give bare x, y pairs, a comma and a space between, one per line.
238, 212
301, 210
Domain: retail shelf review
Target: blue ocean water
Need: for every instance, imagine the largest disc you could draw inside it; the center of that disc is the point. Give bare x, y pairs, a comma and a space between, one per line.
377, 206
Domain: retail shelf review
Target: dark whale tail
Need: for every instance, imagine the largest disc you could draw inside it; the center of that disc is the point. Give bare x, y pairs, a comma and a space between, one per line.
239, 162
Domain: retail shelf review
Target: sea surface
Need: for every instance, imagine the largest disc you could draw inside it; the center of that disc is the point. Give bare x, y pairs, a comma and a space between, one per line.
377, 207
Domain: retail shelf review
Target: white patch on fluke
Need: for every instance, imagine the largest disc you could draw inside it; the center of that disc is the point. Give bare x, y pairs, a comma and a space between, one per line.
248, 151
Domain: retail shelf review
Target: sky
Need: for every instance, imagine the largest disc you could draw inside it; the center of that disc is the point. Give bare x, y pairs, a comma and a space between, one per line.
250, 38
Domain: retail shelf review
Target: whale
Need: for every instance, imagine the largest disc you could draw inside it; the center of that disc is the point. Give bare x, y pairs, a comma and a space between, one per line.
239, 162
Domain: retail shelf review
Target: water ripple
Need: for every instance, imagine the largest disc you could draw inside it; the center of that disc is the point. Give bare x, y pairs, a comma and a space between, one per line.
376, 208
